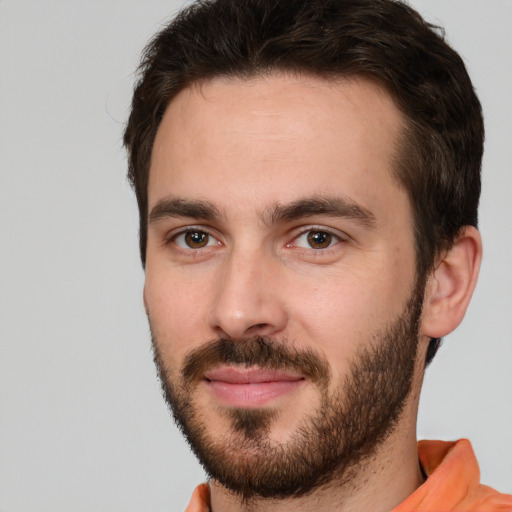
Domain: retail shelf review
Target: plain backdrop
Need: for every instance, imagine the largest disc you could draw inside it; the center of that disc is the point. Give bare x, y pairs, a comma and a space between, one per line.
83, 426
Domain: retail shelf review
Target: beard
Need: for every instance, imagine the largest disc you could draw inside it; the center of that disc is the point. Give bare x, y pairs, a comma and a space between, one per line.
347, 427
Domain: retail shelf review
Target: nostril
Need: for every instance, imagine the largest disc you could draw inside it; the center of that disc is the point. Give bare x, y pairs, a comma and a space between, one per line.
257, 327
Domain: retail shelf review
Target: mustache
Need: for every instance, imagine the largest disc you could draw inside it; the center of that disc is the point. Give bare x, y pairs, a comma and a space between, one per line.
260, 351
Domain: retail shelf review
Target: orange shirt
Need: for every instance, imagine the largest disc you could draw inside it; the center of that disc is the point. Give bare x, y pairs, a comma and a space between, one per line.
453, 483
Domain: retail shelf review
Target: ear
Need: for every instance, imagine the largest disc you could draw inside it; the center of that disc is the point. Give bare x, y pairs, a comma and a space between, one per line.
450, 287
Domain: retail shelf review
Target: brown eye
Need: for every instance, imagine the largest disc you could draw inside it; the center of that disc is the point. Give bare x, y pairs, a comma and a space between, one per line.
196, 239
319, 239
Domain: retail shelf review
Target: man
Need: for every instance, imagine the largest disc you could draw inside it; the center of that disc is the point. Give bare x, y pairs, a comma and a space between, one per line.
308, 176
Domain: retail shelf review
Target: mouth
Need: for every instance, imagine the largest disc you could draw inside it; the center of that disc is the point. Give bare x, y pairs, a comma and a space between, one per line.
250, 388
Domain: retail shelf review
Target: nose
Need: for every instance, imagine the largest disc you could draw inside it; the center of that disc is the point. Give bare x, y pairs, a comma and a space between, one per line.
248, 300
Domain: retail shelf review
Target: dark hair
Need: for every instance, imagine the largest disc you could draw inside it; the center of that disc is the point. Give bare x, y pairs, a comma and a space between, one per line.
440, 151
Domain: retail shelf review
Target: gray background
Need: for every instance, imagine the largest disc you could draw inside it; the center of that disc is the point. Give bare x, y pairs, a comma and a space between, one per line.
82, 423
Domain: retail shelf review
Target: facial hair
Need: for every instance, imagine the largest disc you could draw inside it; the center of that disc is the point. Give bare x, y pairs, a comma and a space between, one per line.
348, 426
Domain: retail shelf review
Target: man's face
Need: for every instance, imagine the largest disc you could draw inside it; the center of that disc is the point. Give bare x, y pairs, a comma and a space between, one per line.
280, 276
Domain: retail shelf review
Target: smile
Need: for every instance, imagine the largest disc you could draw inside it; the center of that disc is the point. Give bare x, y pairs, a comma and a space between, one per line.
250, 387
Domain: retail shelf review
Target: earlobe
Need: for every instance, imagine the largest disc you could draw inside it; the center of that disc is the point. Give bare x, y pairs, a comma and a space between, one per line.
451, 284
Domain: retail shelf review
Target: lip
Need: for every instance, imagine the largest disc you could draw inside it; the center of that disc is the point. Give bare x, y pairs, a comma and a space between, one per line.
250, 387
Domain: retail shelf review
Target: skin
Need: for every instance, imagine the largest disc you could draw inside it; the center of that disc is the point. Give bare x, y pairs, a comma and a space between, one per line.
246, 147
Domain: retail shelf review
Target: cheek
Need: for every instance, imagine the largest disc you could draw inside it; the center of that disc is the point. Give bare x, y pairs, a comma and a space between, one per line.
176, 311
339, 313
334, 320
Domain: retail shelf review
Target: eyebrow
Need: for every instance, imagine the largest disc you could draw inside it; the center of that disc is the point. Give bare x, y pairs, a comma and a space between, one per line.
308, 207
203, 210
329, 206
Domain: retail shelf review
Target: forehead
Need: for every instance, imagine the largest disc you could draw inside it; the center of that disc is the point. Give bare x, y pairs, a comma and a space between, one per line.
276, 136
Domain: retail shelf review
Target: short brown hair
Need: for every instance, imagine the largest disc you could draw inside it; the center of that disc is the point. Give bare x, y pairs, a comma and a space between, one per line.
440, 151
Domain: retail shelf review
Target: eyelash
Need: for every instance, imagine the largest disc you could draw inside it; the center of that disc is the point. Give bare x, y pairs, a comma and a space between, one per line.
335, 239
188, 230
